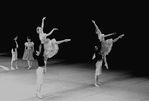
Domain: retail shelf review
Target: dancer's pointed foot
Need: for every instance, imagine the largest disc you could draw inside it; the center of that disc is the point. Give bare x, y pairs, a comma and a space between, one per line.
17, 68
29, 68
96, 85
12, 68
107, 66
39, 96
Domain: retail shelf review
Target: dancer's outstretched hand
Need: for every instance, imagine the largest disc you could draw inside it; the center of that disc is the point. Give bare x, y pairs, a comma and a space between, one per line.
44, 18
66, 40
122, 35
93, 21
55, 28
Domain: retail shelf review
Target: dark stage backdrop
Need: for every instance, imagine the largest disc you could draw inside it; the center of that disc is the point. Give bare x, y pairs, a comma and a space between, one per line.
74, 22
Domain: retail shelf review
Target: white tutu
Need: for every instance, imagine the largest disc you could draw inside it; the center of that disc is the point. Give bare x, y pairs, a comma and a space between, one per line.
51, 48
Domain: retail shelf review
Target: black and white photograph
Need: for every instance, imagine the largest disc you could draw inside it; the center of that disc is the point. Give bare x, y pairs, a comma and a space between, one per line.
73, 51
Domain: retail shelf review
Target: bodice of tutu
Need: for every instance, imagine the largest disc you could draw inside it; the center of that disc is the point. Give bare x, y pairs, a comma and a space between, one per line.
42, 37
51, 48
106, 46
29, 45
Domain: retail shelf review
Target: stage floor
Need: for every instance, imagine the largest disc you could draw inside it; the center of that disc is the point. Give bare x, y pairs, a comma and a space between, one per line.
70, 82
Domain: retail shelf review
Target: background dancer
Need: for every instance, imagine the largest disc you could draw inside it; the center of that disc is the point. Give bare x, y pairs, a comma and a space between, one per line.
42, 35
28, 52
98, 63
51, 48
14, 54
106, 47
40, 70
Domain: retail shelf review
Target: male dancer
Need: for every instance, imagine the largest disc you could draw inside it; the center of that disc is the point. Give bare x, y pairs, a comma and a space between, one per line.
98, 63
14, 54
40, 70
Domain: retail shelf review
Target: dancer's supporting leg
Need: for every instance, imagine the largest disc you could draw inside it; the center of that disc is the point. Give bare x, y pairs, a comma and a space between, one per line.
98, 72
40, 70
39, 73
14, 59
29, 64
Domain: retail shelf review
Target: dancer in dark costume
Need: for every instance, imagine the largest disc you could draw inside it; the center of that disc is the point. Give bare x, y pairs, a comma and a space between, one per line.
14, 54
98, 63
40, 70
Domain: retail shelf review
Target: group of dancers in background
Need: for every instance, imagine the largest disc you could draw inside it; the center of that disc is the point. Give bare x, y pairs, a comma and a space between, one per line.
49, 47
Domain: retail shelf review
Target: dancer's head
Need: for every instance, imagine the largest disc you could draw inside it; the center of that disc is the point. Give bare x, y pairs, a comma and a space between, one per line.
39, 30
15, 38
96, 48
28, 39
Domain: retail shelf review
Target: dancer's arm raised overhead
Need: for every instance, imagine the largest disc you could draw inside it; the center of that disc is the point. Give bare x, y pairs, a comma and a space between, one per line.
61, 41
51, 31
97, 29
42, 23
118, 38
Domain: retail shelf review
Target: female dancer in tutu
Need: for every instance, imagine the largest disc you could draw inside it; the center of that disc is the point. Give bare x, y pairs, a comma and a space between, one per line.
51, 48
28, 52
14, 54
101, 38
106, 47
42, 35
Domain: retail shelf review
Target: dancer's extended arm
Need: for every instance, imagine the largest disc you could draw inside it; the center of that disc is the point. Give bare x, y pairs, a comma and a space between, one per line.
51, 31
118, 38
109, 34
65, 40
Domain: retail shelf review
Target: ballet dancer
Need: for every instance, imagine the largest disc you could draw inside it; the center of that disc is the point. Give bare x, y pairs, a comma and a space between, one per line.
28, 52
106, 47
40, 70
98, 63
14, 54
101, 36
42, 35
51, 48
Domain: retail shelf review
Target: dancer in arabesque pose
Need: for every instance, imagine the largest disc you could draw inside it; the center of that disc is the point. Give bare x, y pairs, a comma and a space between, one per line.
100, 56
42, 35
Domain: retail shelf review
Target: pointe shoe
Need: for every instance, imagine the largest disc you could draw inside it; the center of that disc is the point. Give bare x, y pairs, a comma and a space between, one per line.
39, 96
96, 85
29, 68
12, 68
17, 68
